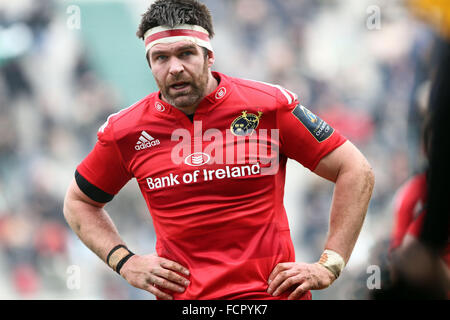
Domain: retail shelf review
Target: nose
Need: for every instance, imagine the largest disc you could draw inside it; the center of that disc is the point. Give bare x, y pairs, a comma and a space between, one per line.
176, 66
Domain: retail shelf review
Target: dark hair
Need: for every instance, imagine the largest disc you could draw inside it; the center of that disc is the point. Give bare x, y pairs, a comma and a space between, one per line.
175, 12
427, 133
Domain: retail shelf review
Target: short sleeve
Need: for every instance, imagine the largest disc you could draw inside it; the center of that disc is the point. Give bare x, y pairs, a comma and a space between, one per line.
304, 136
102, 173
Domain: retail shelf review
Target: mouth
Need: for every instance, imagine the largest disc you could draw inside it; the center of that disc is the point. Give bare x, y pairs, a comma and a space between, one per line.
179, 86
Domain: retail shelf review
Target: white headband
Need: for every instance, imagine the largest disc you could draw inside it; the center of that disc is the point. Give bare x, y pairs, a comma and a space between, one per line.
182, 32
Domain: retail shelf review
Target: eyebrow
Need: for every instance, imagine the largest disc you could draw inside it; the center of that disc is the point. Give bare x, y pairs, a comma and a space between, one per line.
183, 48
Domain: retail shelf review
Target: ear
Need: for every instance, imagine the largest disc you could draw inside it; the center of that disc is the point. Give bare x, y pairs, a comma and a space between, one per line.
211, 58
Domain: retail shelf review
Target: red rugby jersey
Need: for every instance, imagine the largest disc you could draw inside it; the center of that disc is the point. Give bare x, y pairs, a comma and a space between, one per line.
410, 213
212, 186
409, 204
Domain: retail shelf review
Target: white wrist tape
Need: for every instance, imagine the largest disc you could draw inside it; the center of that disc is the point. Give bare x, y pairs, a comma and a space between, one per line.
332, 261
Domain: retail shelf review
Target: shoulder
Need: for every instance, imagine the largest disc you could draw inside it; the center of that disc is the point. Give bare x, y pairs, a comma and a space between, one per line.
265, 90
126, 118
416, 185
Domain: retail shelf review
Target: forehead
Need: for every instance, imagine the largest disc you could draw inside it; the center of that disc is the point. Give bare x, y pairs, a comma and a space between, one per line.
174, 46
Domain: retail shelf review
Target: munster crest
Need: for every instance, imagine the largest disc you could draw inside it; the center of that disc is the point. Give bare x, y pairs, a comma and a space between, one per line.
245, 124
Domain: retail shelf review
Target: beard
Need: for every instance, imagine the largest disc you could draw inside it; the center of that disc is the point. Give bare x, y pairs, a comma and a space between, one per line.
191, 95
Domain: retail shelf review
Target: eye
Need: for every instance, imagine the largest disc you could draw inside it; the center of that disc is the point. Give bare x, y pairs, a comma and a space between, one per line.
160, 58
186, 53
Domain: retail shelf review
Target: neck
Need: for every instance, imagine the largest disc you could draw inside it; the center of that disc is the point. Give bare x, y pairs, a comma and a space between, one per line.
213, 83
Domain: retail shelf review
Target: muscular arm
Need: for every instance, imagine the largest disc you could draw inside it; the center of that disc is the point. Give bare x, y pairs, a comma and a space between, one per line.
90, 221
354, 180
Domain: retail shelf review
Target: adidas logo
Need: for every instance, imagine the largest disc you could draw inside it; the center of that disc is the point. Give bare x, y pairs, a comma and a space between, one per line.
146, 141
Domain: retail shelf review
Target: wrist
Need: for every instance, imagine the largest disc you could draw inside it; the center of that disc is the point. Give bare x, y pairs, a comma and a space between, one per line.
118, 256
332, 261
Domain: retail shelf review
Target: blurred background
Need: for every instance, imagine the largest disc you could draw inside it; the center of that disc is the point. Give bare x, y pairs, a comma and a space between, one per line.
363, 65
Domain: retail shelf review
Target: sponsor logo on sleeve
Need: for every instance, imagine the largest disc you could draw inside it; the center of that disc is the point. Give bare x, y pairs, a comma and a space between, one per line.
316, 126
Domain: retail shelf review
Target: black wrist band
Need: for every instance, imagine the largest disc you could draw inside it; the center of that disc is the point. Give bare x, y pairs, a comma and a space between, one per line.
122, 262
114, 250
